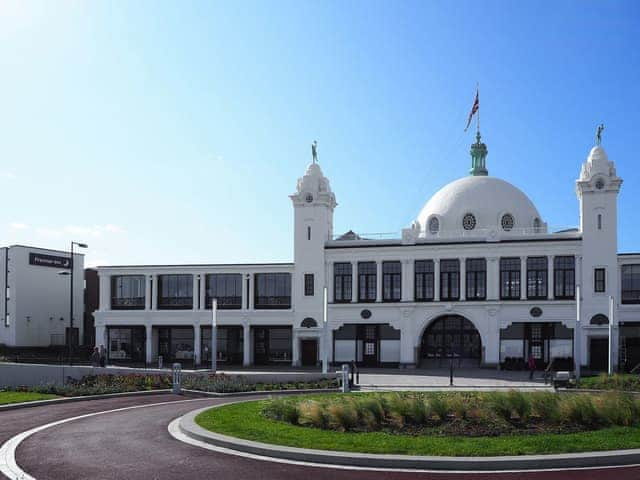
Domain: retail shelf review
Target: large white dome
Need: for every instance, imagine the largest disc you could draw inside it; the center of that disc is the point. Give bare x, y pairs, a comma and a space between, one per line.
482, 206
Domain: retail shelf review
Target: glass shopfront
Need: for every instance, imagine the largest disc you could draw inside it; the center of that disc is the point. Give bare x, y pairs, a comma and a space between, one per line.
272, 345
544, 341
126, 345
175, 344
229, 345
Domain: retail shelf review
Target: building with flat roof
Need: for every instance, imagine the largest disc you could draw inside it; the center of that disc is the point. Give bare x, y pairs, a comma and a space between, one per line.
478, 277
35, 298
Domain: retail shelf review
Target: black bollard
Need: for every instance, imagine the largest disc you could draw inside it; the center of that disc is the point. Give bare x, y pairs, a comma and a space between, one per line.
451, 373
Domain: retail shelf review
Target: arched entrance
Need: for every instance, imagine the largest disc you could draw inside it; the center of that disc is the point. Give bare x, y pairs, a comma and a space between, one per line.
450, 337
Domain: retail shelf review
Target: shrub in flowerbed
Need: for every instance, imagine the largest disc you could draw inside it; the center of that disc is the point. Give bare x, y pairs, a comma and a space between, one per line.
617, 381
458, 413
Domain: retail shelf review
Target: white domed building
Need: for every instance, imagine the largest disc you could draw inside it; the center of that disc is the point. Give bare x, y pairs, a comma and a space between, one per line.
477, 278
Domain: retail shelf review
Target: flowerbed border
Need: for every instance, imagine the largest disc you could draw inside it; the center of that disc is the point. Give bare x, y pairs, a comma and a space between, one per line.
609, 458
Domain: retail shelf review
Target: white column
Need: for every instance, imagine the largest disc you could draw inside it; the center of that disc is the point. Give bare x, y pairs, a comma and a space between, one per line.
105, 292
295, 349
154, 293
354, 281
197, 344
195, 295
147, 292
101, 335
436, 280
550, 278
523, 278
463, 279
378, 281
246, 345
408, 281
493, 279
203, 289
245, 293
252, 287
328, 275
149, 342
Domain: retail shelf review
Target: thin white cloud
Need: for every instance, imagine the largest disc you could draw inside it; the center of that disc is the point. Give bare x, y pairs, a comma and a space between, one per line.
93, 231
8, 175
18, 226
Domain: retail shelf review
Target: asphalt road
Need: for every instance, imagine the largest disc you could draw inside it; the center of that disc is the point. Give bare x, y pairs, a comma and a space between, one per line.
135, 444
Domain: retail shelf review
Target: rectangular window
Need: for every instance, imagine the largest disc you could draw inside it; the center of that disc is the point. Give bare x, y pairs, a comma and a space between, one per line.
226, 288
449, 279
564, 271
510, 278
127, 292
175, 292
599, 280
308, 284
631, 283
424, 286
272, 291
391, 281
476, 273
537, 277
342, 282
367, 281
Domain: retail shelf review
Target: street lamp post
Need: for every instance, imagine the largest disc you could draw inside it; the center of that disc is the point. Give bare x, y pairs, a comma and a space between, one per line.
72, 266
214, 335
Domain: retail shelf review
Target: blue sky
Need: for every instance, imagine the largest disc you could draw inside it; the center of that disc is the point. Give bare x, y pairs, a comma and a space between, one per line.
173, 132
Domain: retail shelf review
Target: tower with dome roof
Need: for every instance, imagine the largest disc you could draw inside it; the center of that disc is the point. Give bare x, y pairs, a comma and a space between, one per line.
313, 205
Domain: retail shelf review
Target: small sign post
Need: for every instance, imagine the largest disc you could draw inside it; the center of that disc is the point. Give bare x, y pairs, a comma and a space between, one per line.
177, 378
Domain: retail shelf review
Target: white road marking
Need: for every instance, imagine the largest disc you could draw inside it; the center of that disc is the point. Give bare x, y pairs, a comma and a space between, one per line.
8, 464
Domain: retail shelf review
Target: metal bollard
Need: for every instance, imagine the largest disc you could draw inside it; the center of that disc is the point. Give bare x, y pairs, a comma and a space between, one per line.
160, 361
345, 378
177, 378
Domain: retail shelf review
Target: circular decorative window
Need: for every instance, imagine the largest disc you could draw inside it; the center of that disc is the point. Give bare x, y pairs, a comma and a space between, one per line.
599, 184
469, 221
365, 313
507, 222
309, 198
434, 225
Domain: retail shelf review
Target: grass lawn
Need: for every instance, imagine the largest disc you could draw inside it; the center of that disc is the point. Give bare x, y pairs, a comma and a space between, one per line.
17, 397
244, 420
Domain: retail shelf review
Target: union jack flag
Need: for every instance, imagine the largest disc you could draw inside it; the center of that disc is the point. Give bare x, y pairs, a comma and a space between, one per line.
474, 109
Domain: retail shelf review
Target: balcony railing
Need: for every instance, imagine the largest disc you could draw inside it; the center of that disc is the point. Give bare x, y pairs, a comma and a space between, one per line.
175, 303
273, 303
127, 303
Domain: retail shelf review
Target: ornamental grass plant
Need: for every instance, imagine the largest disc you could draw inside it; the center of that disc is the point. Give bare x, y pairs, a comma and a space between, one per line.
459, 413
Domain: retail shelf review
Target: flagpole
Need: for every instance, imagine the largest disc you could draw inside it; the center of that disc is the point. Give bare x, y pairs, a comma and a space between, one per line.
478, 121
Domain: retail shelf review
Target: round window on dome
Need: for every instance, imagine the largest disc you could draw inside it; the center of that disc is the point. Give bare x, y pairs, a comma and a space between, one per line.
469, 221
507, 222
434, 225
537, 224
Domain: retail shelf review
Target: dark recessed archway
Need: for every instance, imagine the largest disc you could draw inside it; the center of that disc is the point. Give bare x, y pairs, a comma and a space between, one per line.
599, 319
309, 323
450, 337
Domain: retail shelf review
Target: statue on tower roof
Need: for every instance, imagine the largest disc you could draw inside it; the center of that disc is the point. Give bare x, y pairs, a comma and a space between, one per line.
314, 151
599, 134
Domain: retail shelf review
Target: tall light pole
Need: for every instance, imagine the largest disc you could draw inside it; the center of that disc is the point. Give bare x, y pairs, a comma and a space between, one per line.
577, 347
325, 347
214, 335
69, 343
611, 332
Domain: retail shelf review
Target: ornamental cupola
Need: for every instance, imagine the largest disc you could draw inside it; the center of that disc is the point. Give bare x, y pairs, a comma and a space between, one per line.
478, 158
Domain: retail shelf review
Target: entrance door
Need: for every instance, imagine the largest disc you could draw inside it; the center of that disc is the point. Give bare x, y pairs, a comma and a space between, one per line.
370, 346
260, 346
598, 353
309, 352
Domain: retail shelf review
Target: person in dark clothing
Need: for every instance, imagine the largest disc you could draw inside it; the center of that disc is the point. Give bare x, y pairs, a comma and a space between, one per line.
95, 357
103, 356
532, 367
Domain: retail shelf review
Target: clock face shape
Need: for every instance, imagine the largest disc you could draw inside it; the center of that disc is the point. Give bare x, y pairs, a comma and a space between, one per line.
599, 184
309, 198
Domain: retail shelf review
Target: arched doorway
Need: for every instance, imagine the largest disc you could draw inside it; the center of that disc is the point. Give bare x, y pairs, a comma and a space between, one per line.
450, 337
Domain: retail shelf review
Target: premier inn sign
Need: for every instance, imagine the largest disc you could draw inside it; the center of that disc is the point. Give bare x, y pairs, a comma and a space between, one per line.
42, 260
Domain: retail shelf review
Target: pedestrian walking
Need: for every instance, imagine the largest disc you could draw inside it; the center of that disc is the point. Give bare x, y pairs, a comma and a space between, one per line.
103, 356
532, 367
95, 357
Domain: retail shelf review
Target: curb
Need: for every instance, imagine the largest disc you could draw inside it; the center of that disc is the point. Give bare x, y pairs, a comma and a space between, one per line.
250, 393
55, 401
191, 429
